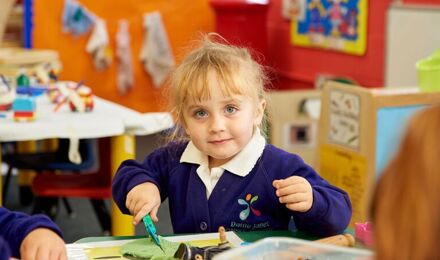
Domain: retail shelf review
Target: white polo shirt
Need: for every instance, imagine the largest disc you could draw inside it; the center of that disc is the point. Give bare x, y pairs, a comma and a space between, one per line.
240, 165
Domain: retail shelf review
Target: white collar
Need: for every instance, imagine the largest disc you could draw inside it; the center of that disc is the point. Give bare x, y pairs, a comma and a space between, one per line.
240, 165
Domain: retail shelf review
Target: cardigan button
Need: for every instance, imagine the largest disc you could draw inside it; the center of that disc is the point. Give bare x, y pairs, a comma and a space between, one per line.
203, 225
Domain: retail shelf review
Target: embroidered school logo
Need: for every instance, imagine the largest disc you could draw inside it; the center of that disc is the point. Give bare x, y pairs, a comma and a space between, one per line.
248, 201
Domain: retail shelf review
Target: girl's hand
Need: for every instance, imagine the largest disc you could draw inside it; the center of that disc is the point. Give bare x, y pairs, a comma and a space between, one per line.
143, 199
296, 192
43, 243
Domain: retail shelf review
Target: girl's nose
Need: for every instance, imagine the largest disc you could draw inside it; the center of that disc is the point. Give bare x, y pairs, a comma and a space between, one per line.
218, 123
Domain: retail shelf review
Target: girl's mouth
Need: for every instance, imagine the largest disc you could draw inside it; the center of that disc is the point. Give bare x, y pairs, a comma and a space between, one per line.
222, 141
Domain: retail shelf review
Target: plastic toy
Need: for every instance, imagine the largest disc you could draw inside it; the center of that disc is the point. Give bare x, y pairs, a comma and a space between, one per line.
54, 94
24, 108
79, 97
86, 97
23, 80
364, 233
31, 90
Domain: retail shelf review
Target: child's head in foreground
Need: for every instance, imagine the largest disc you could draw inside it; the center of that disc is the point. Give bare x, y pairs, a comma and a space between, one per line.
405, 208
218, 94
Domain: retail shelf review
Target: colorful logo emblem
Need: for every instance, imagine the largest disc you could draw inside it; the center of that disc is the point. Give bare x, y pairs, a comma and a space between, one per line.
249, 200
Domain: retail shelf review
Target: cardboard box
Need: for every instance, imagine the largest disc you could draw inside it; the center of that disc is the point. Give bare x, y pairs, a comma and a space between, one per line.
359, 131
292, 127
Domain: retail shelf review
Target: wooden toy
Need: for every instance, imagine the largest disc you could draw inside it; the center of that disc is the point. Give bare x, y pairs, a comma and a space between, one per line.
24, 108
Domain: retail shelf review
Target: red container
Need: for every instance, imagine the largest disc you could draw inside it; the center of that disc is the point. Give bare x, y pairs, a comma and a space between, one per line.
243, 23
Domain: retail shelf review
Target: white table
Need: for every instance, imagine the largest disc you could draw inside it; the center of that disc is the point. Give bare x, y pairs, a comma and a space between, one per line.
107, 119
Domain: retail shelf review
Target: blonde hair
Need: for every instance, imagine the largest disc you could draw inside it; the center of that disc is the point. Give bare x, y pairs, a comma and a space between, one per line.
405, 210
236, 70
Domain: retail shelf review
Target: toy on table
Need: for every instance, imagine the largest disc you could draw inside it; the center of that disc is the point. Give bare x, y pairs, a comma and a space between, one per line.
24, 107
31, 90
86, 96
79, 97
7, 94
151, 230
30, 84
54, 94
187, 252
364, 233
22, 80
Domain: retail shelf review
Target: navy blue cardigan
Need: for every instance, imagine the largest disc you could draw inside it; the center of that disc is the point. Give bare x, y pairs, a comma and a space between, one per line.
15, 226
237, 203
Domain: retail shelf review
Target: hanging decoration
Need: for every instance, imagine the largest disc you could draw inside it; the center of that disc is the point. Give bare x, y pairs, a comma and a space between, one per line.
125, 77
339, 25
98, 45
76, 19
156, 52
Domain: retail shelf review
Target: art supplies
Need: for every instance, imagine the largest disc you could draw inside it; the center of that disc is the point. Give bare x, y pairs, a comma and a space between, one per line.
151, 230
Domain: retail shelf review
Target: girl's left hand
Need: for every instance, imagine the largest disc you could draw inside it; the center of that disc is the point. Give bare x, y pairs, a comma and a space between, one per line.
296, 192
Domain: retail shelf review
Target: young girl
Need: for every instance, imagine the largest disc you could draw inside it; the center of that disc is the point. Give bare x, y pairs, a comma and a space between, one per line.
222, 172
405, 211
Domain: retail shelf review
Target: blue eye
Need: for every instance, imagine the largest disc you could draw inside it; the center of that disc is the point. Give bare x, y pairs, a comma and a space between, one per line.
200, 113
230, 109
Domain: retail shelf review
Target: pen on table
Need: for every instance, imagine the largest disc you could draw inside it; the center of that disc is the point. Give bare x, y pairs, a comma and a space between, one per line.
151, 230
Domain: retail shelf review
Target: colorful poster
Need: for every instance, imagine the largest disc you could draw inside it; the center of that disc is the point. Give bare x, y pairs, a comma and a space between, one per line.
339, 25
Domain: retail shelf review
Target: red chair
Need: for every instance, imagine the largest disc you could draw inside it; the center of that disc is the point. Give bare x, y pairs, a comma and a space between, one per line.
96, 186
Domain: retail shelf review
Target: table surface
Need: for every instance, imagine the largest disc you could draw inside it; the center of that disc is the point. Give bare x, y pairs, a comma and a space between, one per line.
107, 119
251, 236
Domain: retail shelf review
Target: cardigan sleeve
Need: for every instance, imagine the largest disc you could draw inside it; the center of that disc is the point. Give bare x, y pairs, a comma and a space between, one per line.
155, 168
331, 210
15, 226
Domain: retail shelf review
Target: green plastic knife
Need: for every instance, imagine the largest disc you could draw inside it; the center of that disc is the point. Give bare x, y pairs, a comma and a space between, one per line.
151, 230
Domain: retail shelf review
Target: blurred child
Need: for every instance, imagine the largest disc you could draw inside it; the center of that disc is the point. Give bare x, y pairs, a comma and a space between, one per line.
219, 170
405, 208
29, 237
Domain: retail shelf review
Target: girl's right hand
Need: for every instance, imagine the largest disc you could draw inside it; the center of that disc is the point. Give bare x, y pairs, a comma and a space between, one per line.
143, 199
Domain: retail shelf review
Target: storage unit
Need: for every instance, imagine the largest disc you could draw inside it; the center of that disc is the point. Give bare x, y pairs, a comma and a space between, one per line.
293, 127
359, 131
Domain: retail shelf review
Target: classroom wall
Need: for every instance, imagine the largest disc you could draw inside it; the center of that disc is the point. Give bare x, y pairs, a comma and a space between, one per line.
297, 67
435, 2
294, 67
182, 19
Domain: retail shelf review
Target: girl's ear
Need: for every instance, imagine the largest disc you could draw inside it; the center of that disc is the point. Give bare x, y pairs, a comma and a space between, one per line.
259, 113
